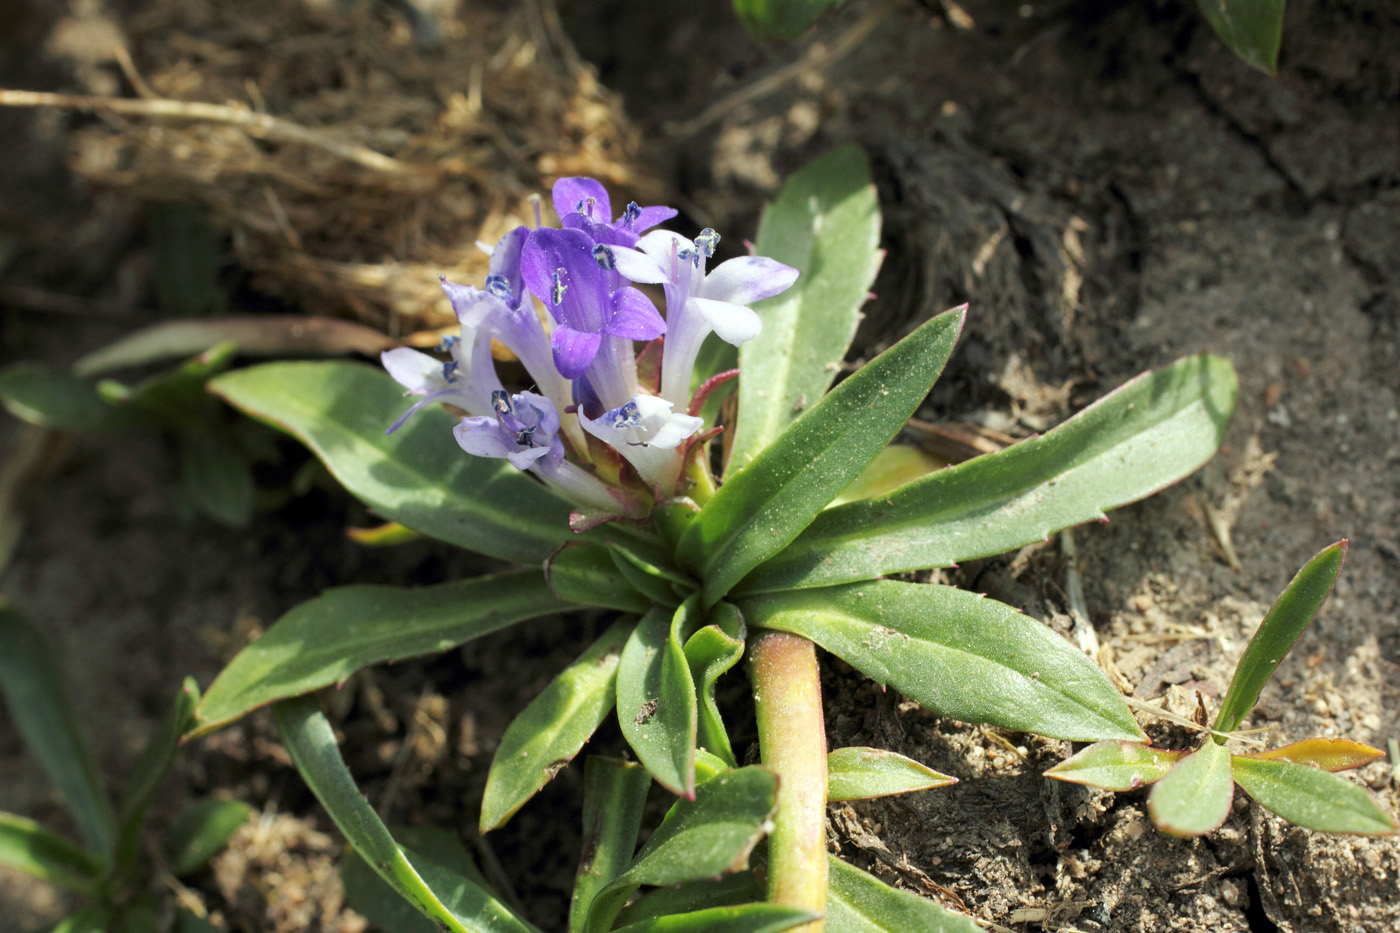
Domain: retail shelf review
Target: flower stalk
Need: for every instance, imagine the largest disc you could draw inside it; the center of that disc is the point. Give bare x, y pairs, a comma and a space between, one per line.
792, 741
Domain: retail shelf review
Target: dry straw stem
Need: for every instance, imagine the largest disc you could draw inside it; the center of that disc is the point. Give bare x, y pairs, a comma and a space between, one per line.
348, 165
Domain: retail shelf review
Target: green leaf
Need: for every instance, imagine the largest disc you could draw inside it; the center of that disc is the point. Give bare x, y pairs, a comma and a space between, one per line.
780, 19
35, 690
453, 902
187, 258
53, 398
368, 894
614, 801
155, 762
1148, 434
730, 890
549, 732
29, 847
325, 640
1327, 754
826, 224
741, 918
709, 836
216, 477
1116, 765
897, 465
417, 476
1278, 633
859, 773
202, 831
711, 652
656, 704
756, 513
861, 903
94, 918
1312, 797
1193, 798
1252, 29
957, 653
176, 397
586, 573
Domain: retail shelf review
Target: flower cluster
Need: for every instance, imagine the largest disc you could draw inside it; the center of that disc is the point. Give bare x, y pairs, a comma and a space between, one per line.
581, 353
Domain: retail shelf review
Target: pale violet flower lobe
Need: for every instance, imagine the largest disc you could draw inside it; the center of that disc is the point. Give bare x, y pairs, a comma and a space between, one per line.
647, 431
524, 430
583, 204
465, 380
698, 303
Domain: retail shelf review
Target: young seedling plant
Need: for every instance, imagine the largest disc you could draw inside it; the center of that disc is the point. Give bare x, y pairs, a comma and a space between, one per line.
109, 867
600, 482
1192, 790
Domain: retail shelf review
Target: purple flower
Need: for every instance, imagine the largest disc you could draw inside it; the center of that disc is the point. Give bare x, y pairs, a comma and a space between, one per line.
583, 204
524, 429
466, 380
647, 431
594, 323
696, 303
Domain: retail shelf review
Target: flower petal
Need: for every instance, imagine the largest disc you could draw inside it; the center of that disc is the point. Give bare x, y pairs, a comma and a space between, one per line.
733, 323
573, 350
571, 196
481, 437
417, 372
747, 279
559, 268
634, 316
649, 217
637, 266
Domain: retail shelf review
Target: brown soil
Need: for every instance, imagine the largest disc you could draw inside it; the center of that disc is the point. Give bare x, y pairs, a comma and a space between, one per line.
1110, 190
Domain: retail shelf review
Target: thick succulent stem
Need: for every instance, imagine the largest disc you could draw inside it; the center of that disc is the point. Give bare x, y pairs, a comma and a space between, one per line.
792, 739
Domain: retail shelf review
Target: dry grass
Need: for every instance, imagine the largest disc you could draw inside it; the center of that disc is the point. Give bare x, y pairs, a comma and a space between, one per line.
349, 164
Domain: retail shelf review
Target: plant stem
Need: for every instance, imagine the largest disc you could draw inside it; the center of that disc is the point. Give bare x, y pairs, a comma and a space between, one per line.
792, 740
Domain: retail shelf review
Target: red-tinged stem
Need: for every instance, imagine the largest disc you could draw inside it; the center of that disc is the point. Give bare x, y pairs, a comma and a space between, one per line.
792, 740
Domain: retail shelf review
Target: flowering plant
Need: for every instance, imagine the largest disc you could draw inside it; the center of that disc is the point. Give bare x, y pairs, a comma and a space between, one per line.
600, 479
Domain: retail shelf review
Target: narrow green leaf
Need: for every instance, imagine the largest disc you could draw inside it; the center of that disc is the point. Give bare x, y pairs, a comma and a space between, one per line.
1278, 633
741, 918
656, 704
709, 836
202, 831
826, 224
151, 768
417, 476
1193, 798
1312, 797
712, 652
957, 653
780, 19
858, 902
614, 800
94, 918
1148, 434
29, 847
325, 640
287, 335
756, 513
1327, 754
740, 887
654, 590
453, 902
1252, 29
216, 477
53, 398
549, 732
859, 773
1116, 765
369, 895
35, 690
585, 573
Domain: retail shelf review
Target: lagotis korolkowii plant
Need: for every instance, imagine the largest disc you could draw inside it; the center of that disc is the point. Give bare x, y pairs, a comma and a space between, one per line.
601, 477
